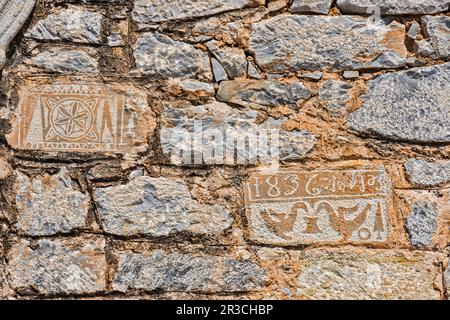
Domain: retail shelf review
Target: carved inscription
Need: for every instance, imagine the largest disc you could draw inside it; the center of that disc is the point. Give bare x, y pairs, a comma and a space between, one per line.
81, 117
305, 207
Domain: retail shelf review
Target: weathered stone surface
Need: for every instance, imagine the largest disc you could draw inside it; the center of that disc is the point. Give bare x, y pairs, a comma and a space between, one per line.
410, 106
3, 294
231, 28
295, 145
425, 216
14, 14
64, 61
421, 224
292, 43
210, 152
233, 60
423, 48
275, 5
294, 207
5, 169
414, 62
218, 134
58, 266
428, 174
316, 75
311, 6
2, 273
392, 7
84, 117
73, 24
264, 93
157, 207
351, 74
151, 11
49, 205
118, 34
5, 291
437, 30
374, 274
160, 56
104, 171
334, 95
414, 30
176, 271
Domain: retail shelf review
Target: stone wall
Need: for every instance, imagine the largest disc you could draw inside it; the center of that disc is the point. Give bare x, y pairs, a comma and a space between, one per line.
94, 202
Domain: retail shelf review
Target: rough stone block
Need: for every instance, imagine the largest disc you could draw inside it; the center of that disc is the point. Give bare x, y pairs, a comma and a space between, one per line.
3, 292
262, 93
159, 56
421, 224
157, 207
61, 60
289, 43
425, 216
411, 106
159, 270
14, 14
217, 134
151, 11
334, 96
5, 169
332, 206
82, 117
49, 205
311, 6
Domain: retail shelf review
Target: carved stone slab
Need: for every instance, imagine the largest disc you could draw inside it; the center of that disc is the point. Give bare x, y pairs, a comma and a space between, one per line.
322, 206
13, 15
82, 117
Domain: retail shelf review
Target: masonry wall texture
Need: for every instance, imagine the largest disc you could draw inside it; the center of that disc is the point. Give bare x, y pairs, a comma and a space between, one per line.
96, 97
